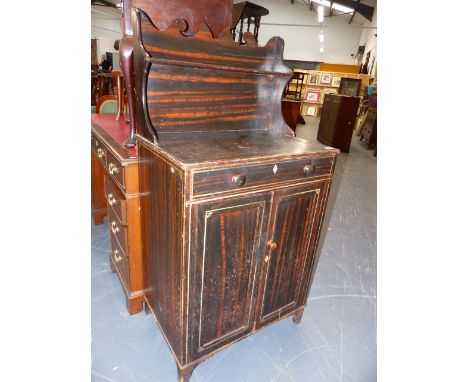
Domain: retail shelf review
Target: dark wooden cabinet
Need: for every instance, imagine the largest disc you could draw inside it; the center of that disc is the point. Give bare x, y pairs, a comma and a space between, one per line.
230, 203
228, 257
337, 120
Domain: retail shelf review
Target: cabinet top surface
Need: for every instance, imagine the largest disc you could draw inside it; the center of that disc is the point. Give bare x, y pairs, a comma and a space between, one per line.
213, 151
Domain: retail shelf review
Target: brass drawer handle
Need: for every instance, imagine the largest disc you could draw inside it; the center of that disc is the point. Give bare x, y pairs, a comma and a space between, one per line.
114, 227
309, 169
100, 152
113, 169
117, 256
238, 180
111, 200
96, 142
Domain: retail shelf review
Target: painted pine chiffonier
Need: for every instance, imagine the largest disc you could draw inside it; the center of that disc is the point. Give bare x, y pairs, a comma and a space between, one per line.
231, 202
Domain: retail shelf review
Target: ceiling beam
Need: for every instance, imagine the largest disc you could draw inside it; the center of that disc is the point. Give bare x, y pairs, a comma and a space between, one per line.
103, 3
365, 10
352, 17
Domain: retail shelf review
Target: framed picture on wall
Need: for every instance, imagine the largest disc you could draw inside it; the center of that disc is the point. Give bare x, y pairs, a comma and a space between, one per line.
336, 81
313, 79
326, 78
313, 95
330, 91
311, 110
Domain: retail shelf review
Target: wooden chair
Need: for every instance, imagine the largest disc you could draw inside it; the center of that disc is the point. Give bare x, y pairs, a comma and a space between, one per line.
107, 104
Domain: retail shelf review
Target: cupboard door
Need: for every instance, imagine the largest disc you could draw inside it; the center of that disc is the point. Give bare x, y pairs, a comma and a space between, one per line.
226, 239
289, 250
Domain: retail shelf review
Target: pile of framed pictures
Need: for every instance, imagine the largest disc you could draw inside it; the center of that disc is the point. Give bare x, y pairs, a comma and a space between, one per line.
318, 83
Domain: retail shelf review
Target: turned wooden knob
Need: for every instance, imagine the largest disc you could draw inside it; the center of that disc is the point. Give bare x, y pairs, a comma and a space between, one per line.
238, 180
309, 169
271, 245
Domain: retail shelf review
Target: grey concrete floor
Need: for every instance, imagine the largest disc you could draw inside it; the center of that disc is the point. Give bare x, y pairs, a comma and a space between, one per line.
336, 340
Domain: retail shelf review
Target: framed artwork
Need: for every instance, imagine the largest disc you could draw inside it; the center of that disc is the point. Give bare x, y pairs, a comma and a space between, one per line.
313, 79
326, 78
336, 81
313, 95
330, 91
350, 87
311, 110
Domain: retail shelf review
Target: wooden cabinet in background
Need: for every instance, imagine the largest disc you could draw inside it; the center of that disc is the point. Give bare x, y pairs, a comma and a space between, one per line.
337, 121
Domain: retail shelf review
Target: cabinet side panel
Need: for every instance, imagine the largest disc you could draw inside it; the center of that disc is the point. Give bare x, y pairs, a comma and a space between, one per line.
162, 229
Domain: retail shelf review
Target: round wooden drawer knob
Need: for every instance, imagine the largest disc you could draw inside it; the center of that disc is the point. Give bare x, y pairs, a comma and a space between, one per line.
309, 169
238, 180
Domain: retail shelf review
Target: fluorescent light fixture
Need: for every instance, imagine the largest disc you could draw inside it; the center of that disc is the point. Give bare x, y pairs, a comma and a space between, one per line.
321, 36
119, 5
321, 48
338, 7
320, 14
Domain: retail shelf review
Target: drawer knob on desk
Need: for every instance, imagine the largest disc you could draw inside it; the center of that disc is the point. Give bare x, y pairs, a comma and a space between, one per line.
309, 169
117, 256
271, 245
238, 180
100, 152
113, 169
111, 200
114, 227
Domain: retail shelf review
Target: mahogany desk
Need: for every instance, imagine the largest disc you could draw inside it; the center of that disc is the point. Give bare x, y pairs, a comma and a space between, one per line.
114, 191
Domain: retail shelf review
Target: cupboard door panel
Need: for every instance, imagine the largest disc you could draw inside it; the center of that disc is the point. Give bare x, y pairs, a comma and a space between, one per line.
226, 248
295, 215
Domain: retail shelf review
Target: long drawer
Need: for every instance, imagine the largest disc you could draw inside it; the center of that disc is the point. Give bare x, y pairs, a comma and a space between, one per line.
116, 200
232, 178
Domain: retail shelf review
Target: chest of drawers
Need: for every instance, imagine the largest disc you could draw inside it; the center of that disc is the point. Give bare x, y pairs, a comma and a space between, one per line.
115, 194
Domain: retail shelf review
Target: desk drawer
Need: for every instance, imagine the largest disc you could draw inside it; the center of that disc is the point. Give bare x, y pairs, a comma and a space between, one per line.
116, 200
118, 230
229, 179
98, 148
115, 169
119, 258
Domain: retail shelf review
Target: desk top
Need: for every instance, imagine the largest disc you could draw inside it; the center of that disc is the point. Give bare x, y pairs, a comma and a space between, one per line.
118, 131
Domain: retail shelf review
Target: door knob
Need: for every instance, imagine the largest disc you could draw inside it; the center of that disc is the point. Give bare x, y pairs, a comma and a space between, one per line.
271, 245
309, 169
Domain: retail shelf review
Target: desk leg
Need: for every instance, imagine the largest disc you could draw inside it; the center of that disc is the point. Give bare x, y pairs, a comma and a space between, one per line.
98, 197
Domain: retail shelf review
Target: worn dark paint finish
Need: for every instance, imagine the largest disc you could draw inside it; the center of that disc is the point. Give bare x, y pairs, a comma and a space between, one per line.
201, 84
337, 120
227, 241
162, 204
217, 181
231, 203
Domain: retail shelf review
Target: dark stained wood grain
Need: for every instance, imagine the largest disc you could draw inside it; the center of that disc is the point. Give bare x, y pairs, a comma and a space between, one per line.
216, 14
291, 110
226, 244
162, 209
217, 181
231, 203
201, 84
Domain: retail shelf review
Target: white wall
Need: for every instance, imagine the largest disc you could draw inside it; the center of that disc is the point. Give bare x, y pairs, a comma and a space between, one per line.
302, 43
106, 28
369, 39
